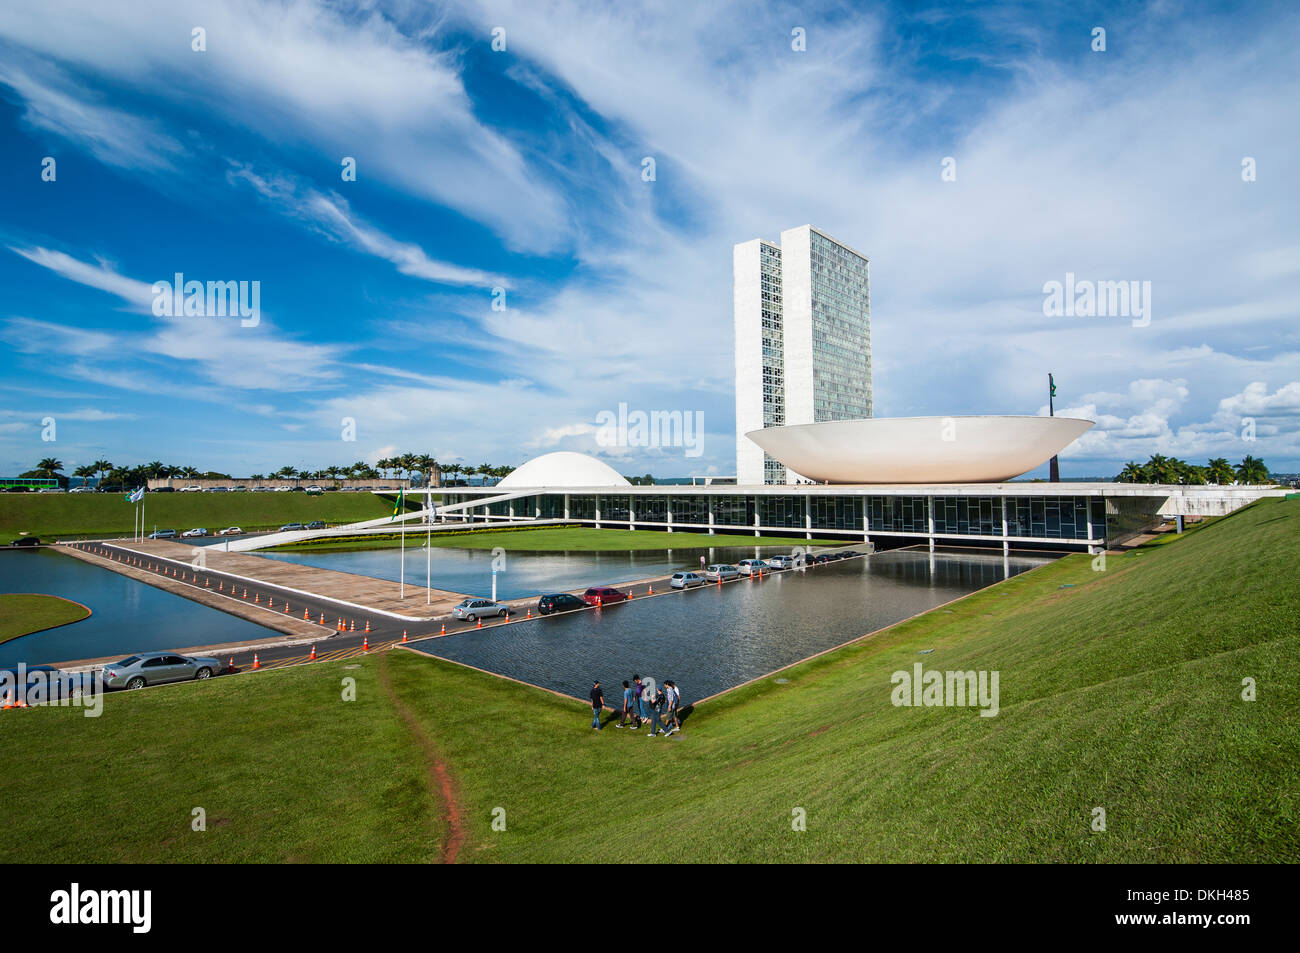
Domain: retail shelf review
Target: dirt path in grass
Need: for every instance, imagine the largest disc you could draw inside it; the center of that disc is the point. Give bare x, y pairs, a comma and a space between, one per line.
439, 774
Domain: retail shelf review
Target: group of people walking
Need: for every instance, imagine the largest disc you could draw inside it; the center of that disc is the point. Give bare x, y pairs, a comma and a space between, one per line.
643, 703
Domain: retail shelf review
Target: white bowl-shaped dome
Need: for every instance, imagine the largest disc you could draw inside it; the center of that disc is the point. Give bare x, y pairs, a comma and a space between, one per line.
563, 468
988, 449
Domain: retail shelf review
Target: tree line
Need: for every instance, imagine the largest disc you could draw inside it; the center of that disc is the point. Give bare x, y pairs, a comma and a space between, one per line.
1170, 470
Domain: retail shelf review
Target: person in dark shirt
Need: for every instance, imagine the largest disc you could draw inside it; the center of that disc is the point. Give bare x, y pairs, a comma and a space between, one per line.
597, 705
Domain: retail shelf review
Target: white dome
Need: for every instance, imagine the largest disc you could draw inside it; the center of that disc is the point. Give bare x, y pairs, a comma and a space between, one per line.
563, 468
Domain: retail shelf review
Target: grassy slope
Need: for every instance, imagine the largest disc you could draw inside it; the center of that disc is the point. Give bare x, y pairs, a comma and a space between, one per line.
1121, 691
51, 515
25, 612
568, 538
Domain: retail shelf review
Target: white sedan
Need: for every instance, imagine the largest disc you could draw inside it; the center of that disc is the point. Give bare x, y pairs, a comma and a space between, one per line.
230, 531
198, 531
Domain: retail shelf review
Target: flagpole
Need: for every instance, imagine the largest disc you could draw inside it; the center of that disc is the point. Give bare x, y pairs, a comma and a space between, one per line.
428, 554
402, 594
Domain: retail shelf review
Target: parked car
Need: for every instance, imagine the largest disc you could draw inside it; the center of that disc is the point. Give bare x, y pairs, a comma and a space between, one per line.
197, 531
823, 558
472, 609
52, 489
603, 596
218, 489
56, 683
261, 489
283, 489
778, 563
849, 553
82, 489
684, 580
191, 489
230, 531
315, 490
137, 671
163, 534
749, 567
160, 489
559, 602
721, 571
316, 524
239, 489
289, 527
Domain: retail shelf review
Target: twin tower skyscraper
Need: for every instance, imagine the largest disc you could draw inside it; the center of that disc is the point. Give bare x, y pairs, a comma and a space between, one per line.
803, 340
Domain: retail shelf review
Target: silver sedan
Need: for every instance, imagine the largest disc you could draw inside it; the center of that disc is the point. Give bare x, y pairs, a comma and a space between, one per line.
156, 668
471, 609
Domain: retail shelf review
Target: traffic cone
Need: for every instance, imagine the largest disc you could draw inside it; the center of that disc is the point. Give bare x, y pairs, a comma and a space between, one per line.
444, 629
305, 615
403, 635
312, 657
719, 580
338, 626
353, 627
231, 663
629, 593
256, 663
652, 588
365, 644
286, 609
257, 597
367, 625
479, 624
245, 592
322, 617
598, 602
270, 603
529, 615
221, 586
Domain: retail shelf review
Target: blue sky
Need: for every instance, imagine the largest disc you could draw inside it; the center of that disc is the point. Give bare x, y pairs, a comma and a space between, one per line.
521, 169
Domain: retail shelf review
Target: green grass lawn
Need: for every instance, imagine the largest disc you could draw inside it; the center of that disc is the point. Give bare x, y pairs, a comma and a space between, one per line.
23, 613
563, 538
55, 515
1120, 689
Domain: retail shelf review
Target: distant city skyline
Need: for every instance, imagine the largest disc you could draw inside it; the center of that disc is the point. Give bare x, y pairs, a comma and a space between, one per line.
477, 253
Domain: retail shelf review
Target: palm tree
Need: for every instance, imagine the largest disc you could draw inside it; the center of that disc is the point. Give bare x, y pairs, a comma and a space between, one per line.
101, 467
1219, 471
85, 472
49, 467
1252, 470
1161, 469
1132, 473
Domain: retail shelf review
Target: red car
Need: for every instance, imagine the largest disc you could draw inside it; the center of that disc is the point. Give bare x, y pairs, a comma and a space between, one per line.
603, 596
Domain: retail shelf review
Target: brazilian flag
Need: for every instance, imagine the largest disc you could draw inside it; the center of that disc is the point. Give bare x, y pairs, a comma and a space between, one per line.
401, 500
1052, 382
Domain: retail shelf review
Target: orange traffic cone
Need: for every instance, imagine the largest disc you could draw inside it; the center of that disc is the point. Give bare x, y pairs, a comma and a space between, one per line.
256, 663
479, 624
245, 592
365, 644
322, 618
270, 603
338, 626
353, 626
529, 615
257, 597
221, 586
444, 629
231, 663
403, 635
367, 625
286, 608
652, 588
312, 657
305, 614
629, 593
